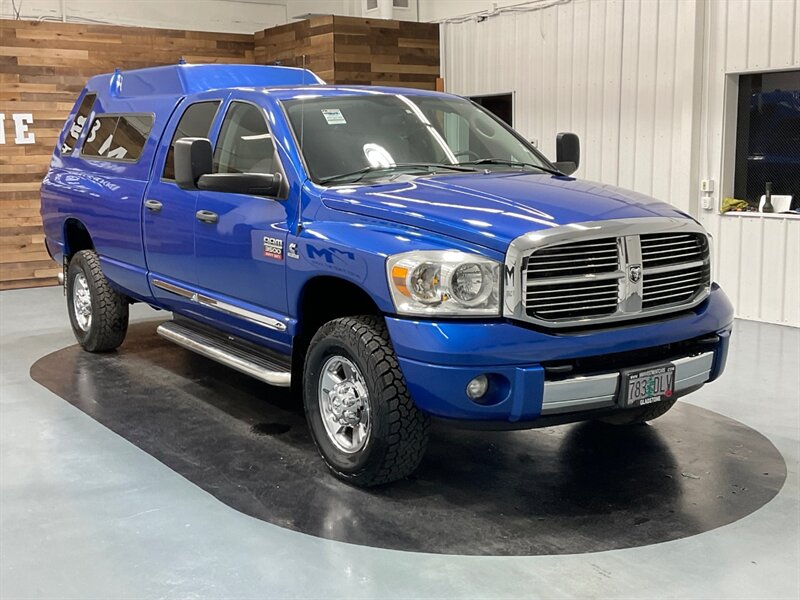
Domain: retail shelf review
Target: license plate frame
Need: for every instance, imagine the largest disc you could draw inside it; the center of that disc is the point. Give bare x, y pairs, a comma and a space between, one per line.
646, 385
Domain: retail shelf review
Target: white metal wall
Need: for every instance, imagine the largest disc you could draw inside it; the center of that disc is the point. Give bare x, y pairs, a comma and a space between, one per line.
643, 84
758, 259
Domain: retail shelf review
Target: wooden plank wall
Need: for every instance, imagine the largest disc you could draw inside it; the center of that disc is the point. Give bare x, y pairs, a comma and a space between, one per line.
350, 50
43, 67
286, 45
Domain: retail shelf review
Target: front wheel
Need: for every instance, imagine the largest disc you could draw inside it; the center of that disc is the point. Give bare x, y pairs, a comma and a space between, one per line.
362, 419
97, 312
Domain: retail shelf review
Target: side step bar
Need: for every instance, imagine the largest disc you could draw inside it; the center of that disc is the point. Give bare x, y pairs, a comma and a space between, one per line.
230, 354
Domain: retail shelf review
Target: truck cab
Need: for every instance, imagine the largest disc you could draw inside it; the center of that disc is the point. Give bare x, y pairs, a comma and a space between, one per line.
394, 255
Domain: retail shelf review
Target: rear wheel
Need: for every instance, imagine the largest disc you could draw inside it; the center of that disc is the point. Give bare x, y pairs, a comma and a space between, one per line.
637, 416
362, 419
97, 312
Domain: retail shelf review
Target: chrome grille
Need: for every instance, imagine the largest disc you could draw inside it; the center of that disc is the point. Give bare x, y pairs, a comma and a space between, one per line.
606, 271
675, 268
557, 286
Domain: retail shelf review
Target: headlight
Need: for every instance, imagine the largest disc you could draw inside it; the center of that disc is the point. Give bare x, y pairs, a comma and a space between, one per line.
434, 282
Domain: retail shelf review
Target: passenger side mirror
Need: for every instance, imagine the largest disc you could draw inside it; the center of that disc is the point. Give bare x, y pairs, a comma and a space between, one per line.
254, 184
193, 159
568, 153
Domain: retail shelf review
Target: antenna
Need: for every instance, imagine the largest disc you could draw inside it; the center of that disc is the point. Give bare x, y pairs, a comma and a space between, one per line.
303, 105
299, 227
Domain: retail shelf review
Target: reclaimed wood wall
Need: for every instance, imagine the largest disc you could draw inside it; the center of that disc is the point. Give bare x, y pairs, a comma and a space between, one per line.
43, 67
354, 51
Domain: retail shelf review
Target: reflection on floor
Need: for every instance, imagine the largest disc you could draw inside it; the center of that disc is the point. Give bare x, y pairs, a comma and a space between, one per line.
560, 490
77, 498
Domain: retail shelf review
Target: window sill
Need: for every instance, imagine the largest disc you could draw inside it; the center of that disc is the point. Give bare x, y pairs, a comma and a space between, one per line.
758, 215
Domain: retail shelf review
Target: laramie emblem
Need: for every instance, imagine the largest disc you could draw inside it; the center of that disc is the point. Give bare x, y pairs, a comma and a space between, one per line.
635, 273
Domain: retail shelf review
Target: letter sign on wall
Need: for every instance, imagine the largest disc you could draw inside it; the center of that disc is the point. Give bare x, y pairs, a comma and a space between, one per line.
22, 132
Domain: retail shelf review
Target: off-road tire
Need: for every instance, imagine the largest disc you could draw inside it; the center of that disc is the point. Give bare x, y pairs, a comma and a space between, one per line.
109, 322
399, 431
637, 416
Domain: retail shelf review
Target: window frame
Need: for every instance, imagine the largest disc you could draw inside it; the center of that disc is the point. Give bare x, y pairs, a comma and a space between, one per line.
78, 142
284, 193
220, 102
131, 161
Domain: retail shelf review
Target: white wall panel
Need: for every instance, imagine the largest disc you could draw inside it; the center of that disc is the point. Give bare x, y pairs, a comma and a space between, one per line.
607, 70
643, 84
758, 258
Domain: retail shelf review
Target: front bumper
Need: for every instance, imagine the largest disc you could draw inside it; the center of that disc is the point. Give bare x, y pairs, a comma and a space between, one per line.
439, 359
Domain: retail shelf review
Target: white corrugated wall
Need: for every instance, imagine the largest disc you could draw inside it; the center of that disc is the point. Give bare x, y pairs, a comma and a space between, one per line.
758, 259
641, 85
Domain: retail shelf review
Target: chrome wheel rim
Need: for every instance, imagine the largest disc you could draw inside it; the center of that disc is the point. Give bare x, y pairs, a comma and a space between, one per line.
344, 404
82, 302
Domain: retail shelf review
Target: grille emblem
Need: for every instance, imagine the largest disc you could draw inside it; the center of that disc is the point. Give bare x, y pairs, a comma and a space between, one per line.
634, 273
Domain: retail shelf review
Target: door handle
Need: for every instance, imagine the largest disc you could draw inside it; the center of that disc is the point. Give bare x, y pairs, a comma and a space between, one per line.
153, 205
206, 216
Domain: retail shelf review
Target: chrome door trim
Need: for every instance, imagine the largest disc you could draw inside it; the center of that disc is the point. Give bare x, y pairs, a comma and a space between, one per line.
221, 306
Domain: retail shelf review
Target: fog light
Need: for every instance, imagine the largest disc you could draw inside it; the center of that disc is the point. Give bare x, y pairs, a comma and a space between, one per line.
477, 387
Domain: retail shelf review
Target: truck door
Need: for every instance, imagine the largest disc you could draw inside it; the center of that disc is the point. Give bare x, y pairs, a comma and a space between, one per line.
169, 214
240, 239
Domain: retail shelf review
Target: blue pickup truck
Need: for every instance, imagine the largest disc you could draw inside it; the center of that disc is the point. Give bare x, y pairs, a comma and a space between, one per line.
395, 255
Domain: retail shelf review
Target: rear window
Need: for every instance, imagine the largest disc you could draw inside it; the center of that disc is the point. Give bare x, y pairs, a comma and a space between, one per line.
75, 128
118, 137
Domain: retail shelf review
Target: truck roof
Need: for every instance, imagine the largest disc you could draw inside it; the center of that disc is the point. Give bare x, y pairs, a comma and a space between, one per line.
186, 79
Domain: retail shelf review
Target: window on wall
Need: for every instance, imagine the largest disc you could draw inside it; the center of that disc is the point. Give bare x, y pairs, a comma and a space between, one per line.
768, 137
500, 104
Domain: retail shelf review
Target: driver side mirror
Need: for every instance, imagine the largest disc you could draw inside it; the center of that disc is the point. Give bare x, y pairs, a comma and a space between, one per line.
568, 153
193, 159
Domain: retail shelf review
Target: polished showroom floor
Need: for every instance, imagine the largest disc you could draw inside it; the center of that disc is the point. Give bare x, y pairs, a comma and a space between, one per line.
91, 507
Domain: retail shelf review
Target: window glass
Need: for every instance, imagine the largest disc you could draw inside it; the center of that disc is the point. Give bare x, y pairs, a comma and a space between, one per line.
768, 138
118, 137
346, 134
78, 122
245, 144
195, 122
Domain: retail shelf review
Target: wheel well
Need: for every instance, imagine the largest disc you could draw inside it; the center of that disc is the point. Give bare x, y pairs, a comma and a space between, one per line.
324, 299
76, 238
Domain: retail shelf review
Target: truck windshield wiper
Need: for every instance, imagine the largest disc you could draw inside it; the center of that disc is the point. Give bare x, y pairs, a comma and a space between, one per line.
510, 163
360, 173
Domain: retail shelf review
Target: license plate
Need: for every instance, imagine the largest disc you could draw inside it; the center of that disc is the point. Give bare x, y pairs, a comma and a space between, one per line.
645, 386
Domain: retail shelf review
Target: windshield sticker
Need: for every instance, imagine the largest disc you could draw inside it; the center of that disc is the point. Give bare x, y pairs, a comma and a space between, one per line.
333, 116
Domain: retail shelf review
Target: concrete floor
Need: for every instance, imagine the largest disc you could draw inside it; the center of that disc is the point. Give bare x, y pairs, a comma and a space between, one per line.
85, 514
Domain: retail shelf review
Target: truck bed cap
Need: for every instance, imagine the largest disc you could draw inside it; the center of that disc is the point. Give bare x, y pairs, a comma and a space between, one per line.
183, 79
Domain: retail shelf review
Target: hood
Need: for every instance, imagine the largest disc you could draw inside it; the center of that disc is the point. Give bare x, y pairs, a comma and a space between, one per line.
494, 208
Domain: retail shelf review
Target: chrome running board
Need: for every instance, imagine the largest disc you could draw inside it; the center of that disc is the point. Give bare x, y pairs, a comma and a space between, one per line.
230, 354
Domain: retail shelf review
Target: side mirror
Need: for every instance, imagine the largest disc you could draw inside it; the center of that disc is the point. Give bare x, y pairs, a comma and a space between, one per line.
193, 159
568, 153
254, 184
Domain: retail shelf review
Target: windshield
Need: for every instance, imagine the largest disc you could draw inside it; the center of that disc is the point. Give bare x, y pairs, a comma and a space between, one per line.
342, 136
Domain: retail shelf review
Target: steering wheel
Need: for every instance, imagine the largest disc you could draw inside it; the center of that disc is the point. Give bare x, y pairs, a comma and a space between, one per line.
468, 154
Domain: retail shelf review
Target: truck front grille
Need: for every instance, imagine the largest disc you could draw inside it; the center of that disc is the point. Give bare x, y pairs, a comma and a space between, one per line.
649, 267
573, 281
676, 268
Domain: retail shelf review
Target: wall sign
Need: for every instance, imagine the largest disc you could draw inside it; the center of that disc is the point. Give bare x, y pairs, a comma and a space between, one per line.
22, 133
